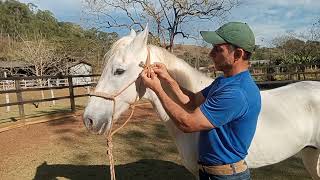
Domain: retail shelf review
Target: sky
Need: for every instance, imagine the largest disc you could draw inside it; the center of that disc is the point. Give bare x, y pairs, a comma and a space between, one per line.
267, 18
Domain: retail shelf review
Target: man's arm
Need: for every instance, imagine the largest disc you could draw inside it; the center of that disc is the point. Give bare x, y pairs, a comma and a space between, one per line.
189, 100
186, 121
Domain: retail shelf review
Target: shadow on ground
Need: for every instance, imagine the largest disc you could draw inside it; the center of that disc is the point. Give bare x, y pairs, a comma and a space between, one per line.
289, 169
159, 170
147, 169
142, 170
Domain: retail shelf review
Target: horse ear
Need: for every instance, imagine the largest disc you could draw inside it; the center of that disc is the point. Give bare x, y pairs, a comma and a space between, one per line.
141, 39
133, 33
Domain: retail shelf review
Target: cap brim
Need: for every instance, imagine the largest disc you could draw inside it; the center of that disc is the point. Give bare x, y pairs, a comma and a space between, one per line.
212, 37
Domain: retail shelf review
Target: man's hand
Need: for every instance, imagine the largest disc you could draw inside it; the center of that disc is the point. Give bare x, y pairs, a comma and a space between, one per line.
151, 82
161, 70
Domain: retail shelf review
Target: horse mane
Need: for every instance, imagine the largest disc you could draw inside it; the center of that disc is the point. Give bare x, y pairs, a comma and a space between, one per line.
116, 46
186, 76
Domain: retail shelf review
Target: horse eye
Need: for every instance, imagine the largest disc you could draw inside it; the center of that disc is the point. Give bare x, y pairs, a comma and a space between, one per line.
119, 72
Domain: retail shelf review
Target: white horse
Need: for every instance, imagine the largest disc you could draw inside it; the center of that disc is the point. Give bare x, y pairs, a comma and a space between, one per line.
288, 123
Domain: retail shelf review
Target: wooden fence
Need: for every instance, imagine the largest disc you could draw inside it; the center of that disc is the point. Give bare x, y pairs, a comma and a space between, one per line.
17, 88
18, 85
298, 72
271, 76
33, 83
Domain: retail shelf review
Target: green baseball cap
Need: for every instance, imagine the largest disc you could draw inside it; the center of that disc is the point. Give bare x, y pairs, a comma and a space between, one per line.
236, 33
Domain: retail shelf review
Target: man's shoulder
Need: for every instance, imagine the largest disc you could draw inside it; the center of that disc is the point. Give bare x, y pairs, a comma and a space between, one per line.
251, 91
234, 92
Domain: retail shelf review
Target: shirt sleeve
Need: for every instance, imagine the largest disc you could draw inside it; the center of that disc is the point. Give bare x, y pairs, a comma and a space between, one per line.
224, 107
206, 90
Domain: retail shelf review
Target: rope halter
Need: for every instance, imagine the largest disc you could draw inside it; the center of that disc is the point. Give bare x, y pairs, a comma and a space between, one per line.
110, 133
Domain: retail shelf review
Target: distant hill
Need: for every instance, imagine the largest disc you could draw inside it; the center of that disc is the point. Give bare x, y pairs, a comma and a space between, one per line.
193, 54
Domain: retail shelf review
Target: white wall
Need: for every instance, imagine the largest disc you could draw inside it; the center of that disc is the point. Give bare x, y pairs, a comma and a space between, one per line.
81, 69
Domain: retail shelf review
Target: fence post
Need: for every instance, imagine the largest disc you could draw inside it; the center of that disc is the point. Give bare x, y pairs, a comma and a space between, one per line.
25, 83
51, 91
71, 94
88, 89
6, 87
19, 98
7, 100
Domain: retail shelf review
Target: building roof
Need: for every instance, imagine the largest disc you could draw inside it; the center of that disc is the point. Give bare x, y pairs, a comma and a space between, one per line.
262, 61
72, 64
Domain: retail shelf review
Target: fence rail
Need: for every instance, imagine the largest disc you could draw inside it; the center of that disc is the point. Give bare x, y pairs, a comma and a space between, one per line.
291, 72
17, 88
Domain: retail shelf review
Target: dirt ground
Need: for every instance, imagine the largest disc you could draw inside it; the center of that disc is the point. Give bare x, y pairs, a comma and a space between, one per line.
63, 149
44, 108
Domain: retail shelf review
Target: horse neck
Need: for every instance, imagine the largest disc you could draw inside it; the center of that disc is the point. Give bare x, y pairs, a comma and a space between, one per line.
182, 72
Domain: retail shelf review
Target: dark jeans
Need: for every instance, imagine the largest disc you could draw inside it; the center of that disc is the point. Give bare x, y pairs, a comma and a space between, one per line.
245, 175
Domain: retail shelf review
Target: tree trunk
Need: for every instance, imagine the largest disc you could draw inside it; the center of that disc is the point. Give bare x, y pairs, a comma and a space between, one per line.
171, 42
38, 73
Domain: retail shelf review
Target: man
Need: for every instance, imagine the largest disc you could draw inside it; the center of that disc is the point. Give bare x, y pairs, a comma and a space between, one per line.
226, 112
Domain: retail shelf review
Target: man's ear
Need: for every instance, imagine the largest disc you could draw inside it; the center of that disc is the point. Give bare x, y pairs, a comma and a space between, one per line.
238, 54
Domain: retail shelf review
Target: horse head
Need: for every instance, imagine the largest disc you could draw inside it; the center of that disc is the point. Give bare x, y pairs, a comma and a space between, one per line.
120, 80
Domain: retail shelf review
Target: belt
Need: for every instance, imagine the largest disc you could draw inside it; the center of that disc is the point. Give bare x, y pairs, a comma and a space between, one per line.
226, 169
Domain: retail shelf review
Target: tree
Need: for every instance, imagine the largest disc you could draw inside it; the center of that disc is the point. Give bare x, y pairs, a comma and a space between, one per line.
90, 47
22, 23
4, 45
38, 53
167, 18
292, 50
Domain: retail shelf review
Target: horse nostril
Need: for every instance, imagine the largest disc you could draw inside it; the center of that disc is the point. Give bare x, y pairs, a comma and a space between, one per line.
90, 122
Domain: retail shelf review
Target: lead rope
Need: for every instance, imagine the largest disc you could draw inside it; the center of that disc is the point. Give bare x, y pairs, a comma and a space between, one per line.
146, 66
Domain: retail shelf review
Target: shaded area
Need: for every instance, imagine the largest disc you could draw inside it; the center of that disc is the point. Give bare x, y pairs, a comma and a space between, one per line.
146, 169
143, 169
143, 144
37, 113
290, 169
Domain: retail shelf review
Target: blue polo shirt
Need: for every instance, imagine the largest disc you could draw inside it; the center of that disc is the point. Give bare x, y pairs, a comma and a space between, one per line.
232, 105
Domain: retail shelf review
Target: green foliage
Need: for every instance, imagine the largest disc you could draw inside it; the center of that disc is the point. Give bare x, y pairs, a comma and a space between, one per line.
14, 16
293, 48
24, 21
290, 51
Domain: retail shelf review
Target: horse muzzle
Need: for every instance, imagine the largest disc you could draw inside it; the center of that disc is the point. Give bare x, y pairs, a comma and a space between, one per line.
96, 125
